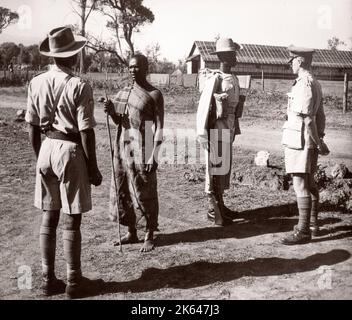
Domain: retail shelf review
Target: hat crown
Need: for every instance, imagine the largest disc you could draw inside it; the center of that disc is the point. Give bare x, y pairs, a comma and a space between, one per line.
60, 39
300, 51
225, 44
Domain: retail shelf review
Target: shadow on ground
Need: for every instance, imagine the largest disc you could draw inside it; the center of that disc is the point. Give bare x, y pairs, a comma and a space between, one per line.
250, 223
205, 273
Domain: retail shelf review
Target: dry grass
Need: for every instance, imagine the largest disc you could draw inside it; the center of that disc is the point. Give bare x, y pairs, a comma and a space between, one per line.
193, 258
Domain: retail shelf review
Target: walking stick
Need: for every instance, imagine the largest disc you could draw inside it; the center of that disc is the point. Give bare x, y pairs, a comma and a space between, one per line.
113, 174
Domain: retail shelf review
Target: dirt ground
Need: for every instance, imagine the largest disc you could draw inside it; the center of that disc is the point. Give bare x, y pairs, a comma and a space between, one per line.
193, 258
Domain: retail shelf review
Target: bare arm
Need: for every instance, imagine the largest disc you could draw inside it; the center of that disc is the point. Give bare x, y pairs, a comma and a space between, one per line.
35, 139
88, 144
159, 125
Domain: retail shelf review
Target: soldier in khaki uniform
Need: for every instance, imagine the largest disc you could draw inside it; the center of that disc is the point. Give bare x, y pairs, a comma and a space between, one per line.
218, 114
60, 105
302, 137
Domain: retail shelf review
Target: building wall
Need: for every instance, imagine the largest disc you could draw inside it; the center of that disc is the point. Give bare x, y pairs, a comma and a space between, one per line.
273, 71
189, 66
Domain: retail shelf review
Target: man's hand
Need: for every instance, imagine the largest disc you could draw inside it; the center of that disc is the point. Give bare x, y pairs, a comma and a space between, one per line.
323, 148
151, 166
95, 177
109, 107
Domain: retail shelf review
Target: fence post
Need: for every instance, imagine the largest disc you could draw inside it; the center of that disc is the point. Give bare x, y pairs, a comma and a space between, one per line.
262, 79
345, 93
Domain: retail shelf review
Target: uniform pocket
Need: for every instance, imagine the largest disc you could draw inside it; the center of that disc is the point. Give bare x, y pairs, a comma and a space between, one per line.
64, 156
292, 136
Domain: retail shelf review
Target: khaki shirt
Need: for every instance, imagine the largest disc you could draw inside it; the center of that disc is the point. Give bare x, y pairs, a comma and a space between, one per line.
75, 109
305, 100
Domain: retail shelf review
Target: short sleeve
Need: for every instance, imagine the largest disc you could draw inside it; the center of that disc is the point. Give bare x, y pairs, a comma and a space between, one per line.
302, 101
32, 115
85, 108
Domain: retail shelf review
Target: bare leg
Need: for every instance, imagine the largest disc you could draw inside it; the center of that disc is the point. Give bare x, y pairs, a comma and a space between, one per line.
129, 237
148, 244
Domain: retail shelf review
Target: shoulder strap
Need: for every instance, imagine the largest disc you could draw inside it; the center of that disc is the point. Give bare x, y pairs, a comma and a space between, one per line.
59, 94
61, 90
56, 102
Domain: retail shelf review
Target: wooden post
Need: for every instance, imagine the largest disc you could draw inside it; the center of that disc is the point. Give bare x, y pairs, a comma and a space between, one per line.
262, 79
345, 93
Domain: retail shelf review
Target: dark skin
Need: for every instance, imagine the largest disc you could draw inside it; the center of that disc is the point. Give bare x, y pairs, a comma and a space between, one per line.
227, 61
138, 69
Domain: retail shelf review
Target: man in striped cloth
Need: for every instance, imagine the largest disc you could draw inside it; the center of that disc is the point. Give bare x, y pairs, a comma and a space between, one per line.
138, 112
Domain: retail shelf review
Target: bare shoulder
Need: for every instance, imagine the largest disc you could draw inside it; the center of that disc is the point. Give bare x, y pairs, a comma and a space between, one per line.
156, 95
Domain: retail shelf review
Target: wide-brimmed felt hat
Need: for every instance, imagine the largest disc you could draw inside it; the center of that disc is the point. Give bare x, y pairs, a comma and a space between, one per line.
62, 43
299, 52
226, 45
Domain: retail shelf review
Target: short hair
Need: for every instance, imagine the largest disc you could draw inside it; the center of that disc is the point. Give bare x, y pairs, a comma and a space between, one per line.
142, 58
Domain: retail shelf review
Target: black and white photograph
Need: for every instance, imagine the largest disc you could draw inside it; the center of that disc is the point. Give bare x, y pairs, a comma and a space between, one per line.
169, 150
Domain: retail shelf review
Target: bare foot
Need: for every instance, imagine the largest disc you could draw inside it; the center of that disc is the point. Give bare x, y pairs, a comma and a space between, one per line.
128, 238
148, 245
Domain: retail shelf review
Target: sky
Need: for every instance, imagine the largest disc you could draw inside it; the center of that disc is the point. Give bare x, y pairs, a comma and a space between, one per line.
178, 23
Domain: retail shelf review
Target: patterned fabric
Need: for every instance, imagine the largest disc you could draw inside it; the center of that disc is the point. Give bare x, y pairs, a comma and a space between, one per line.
137, 198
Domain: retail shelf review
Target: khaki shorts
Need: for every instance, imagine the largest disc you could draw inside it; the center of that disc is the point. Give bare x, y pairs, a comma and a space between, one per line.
301, 161
62, 178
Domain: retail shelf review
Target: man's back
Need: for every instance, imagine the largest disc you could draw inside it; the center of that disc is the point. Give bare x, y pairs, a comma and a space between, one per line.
75, 109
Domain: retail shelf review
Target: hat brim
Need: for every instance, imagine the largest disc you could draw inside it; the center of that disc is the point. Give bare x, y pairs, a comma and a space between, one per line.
79, 44
234, 49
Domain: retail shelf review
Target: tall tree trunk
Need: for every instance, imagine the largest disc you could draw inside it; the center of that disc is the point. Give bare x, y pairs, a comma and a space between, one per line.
82, 68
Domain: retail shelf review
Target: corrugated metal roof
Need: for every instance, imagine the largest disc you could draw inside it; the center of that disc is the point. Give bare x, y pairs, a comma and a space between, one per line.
262, 54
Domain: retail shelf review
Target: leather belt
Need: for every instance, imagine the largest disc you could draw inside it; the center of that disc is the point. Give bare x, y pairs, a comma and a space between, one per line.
55, 134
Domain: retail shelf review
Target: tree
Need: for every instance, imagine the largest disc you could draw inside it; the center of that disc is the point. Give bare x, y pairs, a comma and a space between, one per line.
9, 51
334, 43
165, 66
85, 8
7, 17
24, 56
182, 65
152, 52
124, 18
37, 60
